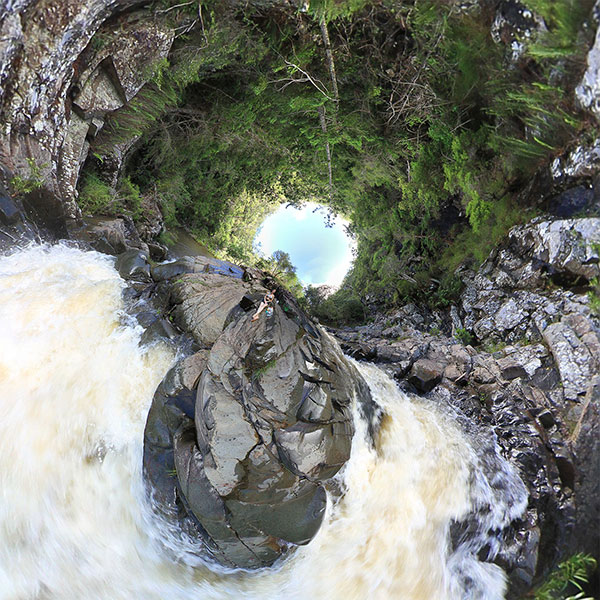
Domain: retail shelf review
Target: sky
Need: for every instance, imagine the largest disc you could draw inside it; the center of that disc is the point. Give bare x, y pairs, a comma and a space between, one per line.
321, 255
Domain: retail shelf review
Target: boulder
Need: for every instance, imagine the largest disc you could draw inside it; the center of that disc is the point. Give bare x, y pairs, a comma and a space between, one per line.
272, 421
133, 264
426, 374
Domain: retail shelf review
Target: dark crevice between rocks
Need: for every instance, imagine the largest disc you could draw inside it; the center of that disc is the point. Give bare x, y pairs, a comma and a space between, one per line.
578, 284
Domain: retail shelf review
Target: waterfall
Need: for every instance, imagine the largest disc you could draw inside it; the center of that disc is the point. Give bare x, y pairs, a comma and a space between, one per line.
75, 387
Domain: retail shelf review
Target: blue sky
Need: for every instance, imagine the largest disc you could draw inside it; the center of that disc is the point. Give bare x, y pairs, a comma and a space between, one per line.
321, 255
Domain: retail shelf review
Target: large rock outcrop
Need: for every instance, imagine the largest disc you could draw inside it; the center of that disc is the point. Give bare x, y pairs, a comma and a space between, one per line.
56, 87
523, 363
243, 434
533, 288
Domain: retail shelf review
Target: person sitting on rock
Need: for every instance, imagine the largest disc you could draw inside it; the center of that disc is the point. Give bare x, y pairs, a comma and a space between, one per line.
266, 303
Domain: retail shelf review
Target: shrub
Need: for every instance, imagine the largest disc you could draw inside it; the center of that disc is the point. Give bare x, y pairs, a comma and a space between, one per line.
594, 296
95, 196
573, 572
129, 195
25, 185
464, 336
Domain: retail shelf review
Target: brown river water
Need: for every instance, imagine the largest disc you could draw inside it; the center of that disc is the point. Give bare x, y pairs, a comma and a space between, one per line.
75, 523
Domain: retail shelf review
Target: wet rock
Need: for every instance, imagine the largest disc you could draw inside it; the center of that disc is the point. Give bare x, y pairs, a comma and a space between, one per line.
47, 212
165, 271
159, 330
158, 251
426, 374
109, 236
271, 417
9, 211
15, 226
133, 264
172, 407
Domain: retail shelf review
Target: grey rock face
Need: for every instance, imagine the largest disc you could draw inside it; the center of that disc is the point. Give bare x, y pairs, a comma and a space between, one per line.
534, 288
585, 441
582, 161
9, 211
531, 379
575, 346
513, 26
42, 61
588, 91
271, 418
133, 264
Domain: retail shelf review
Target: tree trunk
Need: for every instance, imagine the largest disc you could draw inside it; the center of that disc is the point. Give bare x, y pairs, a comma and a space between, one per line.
328, 151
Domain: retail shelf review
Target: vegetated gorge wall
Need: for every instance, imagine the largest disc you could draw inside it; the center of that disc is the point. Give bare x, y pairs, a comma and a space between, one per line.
526, 370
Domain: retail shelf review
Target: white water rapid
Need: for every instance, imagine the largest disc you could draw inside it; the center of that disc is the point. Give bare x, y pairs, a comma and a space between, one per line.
75, 388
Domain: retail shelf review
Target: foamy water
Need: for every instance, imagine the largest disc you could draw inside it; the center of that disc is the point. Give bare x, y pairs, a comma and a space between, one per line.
75, 388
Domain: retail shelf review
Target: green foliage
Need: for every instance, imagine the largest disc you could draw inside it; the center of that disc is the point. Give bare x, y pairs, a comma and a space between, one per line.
422, 150
168, 238
130, 197
530, 122
95, 196
494, 346
25, 185
314, 296
342, 307
573, 572
563, 19
594, 296
280, 267
472, 247
464, 336
264, 369
447, 291
334, 9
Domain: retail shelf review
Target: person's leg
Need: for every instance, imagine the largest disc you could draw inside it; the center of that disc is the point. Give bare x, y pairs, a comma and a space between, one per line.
262, 307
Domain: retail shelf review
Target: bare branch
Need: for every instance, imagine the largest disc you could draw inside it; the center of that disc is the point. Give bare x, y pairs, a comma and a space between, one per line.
202, 24
166, 10
328, 151
186, 28
330, 63
315, 82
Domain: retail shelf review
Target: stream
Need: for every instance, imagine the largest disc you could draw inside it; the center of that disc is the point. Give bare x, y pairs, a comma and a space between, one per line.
75, 520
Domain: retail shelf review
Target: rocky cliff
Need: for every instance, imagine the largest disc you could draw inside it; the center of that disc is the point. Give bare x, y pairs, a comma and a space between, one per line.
56, 86
524, 363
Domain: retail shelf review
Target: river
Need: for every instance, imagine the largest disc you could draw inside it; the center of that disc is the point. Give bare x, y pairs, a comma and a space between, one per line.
75, 523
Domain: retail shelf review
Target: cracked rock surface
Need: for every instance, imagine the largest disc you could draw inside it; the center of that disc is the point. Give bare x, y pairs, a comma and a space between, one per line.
243, 435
